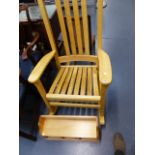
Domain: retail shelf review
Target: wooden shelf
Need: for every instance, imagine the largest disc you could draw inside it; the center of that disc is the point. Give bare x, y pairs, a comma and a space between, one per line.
69, 127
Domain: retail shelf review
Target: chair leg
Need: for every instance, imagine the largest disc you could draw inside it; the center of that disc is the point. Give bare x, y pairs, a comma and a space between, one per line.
42, 92
103, 90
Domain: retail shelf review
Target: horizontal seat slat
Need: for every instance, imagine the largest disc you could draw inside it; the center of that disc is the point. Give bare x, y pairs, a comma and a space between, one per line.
62, 81
83, 84
77, 105
77, 98
64, 89
78, 81
72, 82
59, 75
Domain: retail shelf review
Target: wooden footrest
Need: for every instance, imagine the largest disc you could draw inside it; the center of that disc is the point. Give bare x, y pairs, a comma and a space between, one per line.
69, 127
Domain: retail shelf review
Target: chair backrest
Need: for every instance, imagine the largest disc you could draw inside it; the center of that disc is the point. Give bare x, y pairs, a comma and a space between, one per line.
73, 20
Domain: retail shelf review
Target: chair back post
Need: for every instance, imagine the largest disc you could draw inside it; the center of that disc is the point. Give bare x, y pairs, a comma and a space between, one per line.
99, 23
48, 29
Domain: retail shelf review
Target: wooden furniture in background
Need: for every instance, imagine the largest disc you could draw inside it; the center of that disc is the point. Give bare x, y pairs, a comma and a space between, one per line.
84, 84
27, 37
34, 20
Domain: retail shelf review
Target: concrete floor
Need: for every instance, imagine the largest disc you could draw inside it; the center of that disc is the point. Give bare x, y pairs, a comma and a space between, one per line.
120, 114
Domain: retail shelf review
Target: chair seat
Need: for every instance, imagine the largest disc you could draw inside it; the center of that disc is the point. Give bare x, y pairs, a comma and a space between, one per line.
76, 84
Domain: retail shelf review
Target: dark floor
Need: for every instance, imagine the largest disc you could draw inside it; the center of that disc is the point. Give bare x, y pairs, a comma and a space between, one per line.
119, 43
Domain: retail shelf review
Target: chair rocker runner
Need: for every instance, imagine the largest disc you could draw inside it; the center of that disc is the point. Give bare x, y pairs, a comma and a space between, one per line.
80, 86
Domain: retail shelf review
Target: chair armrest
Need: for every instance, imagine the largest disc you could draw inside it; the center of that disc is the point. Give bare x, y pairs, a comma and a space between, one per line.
105, 68
40, 67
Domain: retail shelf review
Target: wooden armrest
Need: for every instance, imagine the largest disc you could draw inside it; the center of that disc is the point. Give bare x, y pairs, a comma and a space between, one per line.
105, 69
40, 67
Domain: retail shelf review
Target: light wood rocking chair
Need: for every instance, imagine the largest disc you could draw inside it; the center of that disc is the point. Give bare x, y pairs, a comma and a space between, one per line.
82, 86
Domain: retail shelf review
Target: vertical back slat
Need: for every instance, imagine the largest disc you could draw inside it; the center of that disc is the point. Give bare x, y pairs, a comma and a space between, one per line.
77, 26
70, 26
99, 23
85, 26
62, 26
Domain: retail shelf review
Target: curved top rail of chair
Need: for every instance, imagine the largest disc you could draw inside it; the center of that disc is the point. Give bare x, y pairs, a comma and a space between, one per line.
89, 58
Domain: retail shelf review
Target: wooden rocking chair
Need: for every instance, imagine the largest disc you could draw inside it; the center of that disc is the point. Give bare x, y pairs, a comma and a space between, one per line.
78, 85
